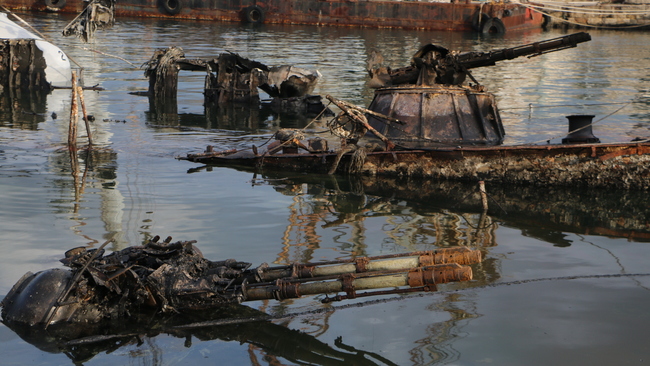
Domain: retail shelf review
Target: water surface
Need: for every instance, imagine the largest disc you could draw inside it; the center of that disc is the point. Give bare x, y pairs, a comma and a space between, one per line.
538, 298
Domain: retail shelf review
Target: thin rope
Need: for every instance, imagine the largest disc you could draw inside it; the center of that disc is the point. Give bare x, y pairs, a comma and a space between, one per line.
531, 105
539, 10
586, 10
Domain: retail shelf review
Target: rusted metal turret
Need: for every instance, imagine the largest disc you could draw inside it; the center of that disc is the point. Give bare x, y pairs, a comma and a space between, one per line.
431, 103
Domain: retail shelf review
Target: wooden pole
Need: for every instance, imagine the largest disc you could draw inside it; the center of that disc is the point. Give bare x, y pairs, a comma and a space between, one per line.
74, 111
484, 200
80, 91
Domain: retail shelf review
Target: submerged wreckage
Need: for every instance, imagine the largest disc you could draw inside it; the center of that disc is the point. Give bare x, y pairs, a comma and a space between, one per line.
231, 78
174, 277
431, 125
28, 61
107, 301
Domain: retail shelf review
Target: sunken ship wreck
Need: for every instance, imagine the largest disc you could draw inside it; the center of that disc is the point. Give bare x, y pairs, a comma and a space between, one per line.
425, 121
105, 300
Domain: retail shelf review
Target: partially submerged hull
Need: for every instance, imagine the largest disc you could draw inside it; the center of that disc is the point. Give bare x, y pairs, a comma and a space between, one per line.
455, 16
622, 165
56, 64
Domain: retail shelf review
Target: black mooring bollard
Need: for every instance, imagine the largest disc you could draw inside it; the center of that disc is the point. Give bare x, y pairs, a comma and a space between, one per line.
580, 130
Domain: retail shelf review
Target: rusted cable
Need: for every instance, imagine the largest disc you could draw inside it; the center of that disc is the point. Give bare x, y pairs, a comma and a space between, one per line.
361, 119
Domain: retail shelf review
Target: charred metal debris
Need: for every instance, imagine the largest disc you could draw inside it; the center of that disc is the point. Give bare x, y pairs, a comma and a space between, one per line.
420, 106
173, 277
231, 78
426, 121
98, 14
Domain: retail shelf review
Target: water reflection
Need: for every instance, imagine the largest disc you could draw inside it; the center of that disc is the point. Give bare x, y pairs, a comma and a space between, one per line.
94, 169
133, 187
22, 109
81, 343
425, 212
233, 117
344, 205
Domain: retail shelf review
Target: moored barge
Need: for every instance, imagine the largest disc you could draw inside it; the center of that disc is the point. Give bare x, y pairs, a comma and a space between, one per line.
465, 16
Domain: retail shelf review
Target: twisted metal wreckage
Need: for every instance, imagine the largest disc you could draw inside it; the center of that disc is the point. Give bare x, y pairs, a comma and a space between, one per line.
423, 122
104, 302
174, 277
231, 78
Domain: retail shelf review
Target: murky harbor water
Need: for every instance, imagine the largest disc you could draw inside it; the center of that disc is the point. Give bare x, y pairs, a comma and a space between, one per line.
538, 298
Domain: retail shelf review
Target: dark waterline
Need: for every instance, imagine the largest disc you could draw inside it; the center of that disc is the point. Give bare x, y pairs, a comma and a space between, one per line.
135, 189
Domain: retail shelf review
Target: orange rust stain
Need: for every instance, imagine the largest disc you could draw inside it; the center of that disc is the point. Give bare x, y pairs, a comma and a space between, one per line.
342, 11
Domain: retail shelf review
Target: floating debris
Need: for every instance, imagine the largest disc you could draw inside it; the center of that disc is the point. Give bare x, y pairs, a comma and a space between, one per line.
98, 14
233, 79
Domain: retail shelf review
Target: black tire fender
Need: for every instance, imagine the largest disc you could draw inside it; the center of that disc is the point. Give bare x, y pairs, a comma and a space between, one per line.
493, 26
253, 14
479, 20
171, 7
58, 4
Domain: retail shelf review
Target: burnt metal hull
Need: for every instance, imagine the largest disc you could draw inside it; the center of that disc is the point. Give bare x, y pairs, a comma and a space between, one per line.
621, 165
373, 14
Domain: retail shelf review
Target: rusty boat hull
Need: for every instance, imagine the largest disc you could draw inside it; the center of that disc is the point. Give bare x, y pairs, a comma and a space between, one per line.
615, 165
455, 16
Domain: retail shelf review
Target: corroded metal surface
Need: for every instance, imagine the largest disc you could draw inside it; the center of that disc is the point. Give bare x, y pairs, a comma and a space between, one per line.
22, 66
435, 64
165, 277
431, 103
471, 16
435, 114
624, 165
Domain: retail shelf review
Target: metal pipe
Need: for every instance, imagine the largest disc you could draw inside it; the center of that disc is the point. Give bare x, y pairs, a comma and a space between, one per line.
404, 261
424, 278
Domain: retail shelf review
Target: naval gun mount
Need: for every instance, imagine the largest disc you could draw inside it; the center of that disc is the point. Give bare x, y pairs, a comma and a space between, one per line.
432, 106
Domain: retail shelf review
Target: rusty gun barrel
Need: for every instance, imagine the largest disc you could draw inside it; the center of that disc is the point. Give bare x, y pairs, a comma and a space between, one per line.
478, 59
174, 276
416, 279
433, 64
404, 261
